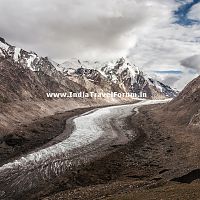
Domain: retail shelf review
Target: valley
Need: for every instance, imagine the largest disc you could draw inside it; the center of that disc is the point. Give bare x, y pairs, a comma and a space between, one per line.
113, 147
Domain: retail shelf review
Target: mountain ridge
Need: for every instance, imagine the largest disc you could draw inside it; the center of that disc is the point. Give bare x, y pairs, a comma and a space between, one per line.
75, 75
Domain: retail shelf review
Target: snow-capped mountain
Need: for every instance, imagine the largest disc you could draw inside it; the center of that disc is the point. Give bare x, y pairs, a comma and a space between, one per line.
90, 78
119, 72
131, 79
86, 74
25, 75
28, 60
75, 63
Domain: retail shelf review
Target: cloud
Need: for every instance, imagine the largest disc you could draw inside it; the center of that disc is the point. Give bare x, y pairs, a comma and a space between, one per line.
184, 80
195, 12
171, 80
167, 77
166, 44
74, 28
192, 62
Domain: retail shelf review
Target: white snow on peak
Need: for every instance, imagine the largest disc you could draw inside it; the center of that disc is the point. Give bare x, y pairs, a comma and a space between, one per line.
70, 71
16, 54
155, 83
158, 86
71, 63
75, 63
29, 62
116, 67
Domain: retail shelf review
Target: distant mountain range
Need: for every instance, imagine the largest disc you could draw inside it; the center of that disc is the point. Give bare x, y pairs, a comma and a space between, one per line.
121, 72
25, 75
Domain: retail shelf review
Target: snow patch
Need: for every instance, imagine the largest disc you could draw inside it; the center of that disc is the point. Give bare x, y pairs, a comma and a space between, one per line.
16, 54
71, 71
29, 62
158, 86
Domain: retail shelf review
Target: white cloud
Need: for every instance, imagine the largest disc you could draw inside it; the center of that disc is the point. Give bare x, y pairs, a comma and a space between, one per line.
192, 63
165, 45
75, 28
195, 12
185, 79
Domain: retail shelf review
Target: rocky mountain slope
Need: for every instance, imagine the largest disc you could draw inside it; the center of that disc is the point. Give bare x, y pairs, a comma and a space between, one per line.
185, 108
26, 76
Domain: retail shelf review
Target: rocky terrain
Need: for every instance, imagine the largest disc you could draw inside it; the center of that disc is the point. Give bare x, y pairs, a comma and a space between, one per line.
26, 76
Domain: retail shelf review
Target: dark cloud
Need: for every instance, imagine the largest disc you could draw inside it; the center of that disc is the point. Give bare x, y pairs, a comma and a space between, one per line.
192, 62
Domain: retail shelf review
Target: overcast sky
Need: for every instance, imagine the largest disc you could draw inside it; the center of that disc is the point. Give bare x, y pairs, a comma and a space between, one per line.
160, 36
